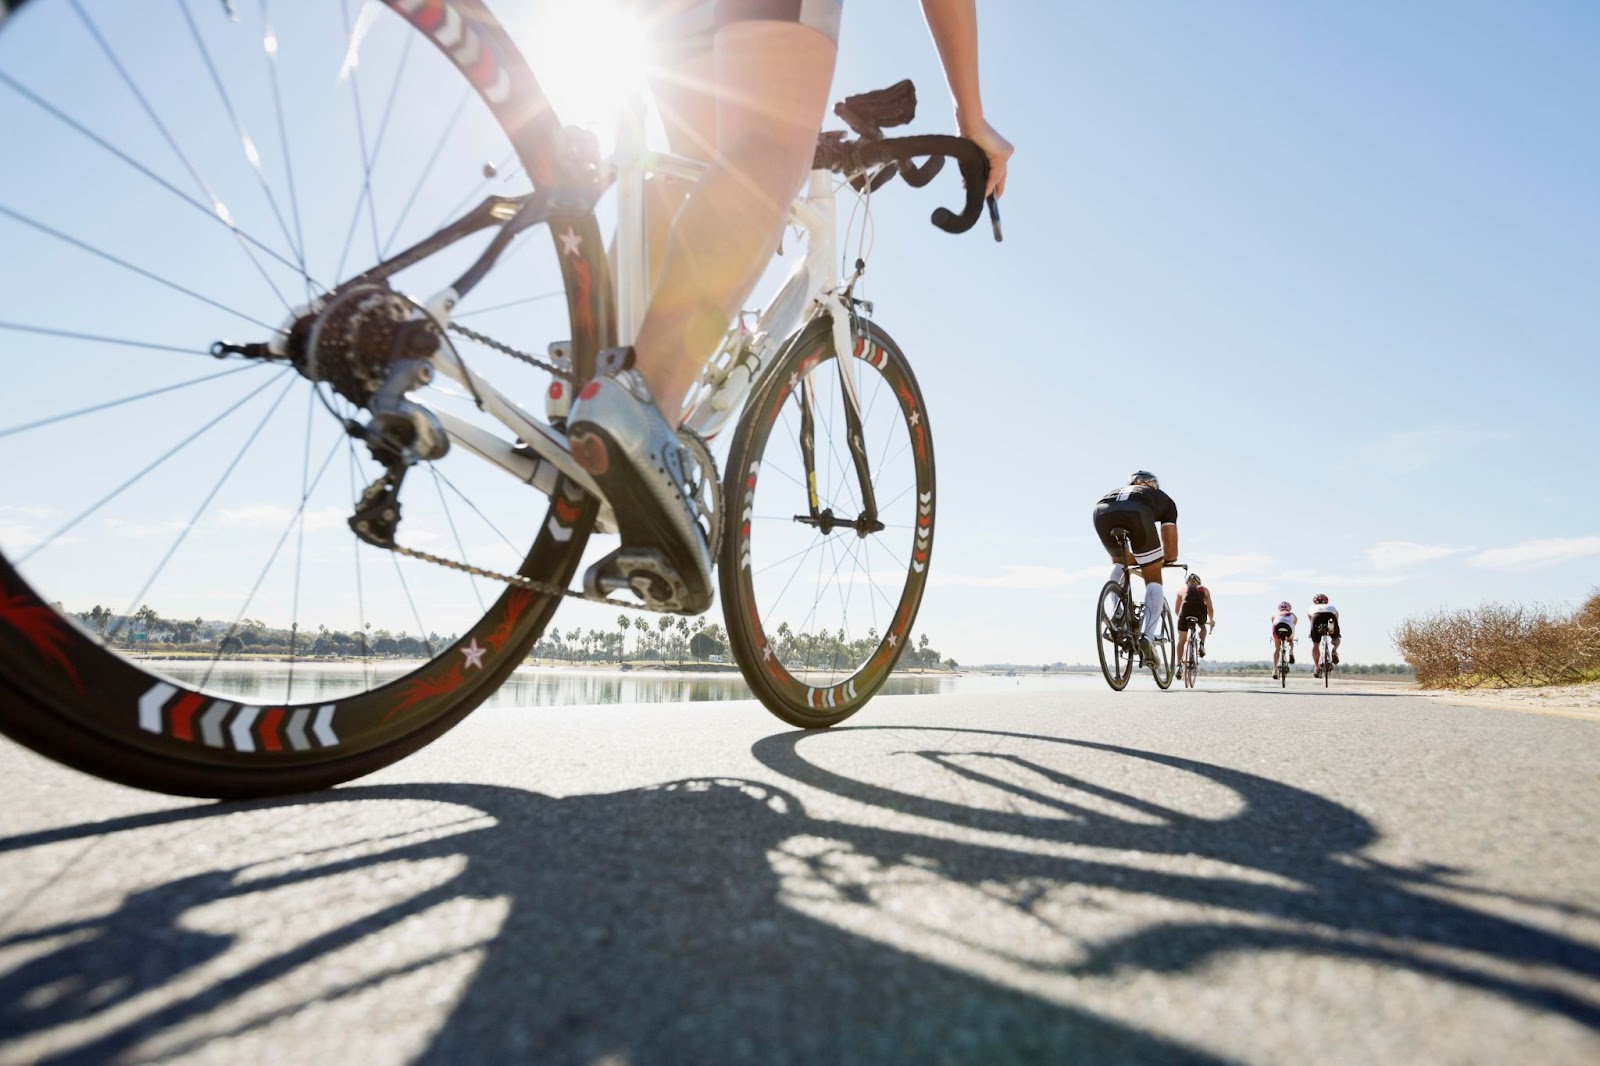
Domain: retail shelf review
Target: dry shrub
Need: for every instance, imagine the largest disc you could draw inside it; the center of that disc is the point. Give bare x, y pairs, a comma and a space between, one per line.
1503, 645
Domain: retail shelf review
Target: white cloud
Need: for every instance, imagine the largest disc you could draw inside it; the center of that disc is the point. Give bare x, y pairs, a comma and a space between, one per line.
275, 518
24, 527
168, 527
1023, 577
1216, 568
1395, 554
1357, 580
1532, 554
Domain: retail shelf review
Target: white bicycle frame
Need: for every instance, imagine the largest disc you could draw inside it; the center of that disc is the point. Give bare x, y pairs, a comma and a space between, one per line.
811, 289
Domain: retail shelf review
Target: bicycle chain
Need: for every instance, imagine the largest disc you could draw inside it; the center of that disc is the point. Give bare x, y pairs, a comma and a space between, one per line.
544, 588
506, 349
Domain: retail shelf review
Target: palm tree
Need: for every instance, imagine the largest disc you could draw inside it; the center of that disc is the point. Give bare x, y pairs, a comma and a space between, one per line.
624, 623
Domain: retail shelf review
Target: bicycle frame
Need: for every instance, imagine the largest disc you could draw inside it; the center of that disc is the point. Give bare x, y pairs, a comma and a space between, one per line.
810, 290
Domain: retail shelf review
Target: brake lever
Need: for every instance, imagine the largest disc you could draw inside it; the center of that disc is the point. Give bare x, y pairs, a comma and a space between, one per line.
994, 218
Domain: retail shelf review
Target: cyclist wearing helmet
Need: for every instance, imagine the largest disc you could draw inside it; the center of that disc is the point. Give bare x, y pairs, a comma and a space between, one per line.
1283, 622
1194, 610
1151, 520
1324, 619
743, 86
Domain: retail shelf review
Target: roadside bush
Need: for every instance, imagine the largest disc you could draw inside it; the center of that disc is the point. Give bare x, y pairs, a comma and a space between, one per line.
1503, 645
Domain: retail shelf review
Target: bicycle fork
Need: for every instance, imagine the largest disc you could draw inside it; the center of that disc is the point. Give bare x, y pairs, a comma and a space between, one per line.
823, 518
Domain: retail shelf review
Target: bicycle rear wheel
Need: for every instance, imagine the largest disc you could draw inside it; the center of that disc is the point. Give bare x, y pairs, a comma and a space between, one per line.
1162, 668
819, 595
1189, 661
176, 178
1114, 634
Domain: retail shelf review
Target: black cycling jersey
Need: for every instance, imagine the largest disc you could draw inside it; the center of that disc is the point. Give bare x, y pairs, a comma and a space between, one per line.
1140, 510
1160, 505
1194, 602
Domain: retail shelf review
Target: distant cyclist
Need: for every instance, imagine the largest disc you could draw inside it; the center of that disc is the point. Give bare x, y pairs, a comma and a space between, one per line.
1324, 619
1283, 622
1151, 520
1194, 612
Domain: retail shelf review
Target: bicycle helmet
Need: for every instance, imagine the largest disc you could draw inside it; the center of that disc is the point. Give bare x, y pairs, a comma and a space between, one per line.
1192, 579
1144, 477
1320, 597
1284, 608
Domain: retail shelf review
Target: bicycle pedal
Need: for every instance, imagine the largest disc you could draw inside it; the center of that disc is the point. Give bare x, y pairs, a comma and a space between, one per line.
645, 572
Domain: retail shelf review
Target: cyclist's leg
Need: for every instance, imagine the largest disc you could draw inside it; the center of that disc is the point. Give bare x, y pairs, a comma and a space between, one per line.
772, 82
771, 85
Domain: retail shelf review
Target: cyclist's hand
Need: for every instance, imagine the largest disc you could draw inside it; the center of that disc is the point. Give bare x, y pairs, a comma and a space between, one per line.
996, 147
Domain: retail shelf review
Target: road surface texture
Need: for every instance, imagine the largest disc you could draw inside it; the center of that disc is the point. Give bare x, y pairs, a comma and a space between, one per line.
1233, 874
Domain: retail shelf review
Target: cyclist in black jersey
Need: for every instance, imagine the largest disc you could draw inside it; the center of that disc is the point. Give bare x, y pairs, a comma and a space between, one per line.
1151, 518
1194, 612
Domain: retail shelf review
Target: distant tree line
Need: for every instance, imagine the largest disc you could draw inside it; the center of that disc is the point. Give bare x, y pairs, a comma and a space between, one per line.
662, 638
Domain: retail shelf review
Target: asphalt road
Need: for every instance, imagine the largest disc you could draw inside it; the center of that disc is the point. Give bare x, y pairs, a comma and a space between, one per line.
1224, 875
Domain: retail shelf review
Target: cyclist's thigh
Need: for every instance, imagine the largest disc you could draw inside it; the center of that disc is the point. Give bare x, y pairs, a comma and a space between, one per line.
773, 80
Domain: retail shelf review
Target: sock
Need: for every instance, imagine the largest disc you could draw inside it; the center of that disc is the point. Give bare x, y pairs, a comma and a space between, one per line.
1152, 610
1116, 572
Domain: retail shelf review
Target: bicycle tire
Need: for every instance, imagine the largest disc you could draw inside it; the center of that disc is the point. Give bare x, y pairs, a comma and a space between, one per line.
1113, 638
816, 645
73, 696
1163, 668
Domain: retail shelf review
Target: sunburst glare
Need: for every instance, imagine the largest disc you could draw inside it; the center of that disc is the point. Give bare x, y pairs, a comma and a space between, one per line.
589, 57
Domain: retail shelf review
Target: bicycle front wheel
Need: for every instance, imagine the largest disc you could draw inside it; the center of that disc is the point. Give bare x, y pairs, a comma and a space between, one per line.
1163, 666
186, 199
1114, 634
828, 526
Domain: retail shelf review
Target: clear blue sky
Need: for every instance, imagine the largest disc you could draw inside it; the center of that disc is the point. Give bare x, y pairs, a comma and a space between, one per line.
1332, 271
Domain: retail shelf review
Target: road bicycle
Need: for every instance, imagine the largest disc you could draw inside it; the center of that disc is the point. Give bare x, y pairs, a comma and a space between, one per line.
1189, 666
215, 349
1119, 622
1325, 655
1280, 672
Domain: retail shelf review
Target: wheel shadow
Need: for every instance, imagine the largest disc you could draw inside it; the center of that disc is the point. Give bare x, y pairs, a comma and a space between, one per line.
1334, 899
642, 926
670, 924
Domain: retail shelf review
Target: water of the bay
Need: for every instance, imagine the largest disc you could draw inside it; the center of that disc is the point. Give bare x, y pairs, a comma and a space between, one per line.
541, 686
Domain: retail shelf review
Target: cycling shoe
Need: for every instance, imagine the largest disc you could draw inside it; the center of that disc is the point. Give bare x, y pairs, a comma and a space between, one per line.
619, 436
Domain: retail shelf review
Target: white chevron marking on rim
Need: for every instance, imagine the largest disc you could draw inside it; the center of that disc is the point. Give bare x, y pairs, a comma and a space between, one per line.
150, 705
324, 726
240, 729
211, 723
296, 730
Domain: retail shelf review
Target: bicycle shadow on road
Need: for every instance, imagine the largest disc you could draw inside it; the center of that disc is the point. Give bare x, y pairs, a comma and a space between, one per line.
716, 920
1320, 893
647, 925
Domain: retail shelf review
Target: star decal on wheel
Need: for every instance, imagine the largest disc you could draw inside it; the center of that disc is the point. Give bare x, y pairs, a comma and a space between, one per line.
766, 652
570, 242
474, 654
916, 416
893, 640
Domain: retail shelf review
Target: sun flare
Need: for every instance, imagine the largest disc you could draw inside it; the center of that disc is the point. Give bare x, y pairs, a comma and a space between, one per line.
589, 56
